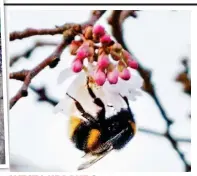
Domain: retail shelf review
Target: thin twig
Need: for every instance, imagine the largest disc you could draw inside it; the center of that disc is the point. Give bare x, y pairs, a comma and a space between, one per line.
177, 139
42, 95
29, 51
57, 30
32, 32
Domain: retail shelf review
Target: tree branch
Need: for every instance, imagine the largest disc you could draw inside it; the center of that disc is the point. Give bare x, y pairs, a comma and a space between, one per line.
116, 23
69, 32
29, 51
27, 76
57, 30
42, 95
32, 32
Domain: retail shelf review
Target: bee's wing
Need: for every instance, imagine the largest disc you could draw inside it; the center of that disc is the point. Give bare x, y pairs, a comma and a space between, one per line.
92, 161
105, 148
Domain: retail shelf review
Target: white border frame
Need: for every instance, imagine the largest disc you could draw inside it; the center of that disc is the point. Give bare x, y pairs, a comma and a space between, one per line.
5, 88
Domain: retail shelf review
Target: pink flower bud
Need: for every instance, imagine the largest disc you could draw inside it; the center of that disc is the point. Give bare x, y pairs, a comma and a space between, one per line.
133, 64
112, 76
77, 66
125, 74
126, 55
103, 61
98, 30
117, 47
81, 54
74, 46
88, 32
106, 40
100, 77
121, 66
83, 51
115, 56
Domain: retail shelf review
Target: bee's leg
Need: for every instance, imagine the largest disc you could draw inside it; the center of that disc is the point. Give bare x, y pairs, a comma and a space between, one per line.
80, 108
132, 120
128, 107
97, 101
126, 100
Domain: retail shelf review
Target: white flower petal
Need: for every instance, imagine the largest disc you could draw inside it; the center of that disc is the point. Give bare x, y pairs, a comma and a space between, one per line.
136, 81
129, 88
64, 74
123, 87
77, 83
135, 92
131, 97
115, 100
64, 106
109, 94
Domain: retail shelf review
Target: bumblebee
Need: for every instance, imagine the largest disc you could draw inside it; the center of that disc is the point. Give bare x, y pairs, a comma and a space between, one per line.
98, 136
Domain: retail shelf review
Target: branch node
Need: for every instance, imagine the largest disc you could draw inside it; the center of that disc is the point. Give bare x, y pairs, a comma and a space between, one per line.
54, 62
24, 93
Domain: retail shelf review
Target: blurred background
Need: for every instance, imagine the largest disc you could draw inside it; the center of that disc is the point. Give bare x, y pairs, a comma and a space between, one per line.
160, 41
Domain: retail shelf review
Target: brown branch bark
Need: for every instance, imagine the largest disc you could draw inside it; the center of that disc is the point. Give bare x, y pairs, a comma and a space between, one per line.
184, 77
27, 76
20, 75
32, 32
57, 30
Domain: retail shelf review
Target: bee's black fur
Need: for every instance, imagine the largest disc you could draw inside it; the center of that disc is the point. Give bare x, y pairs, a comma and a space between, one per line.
108, 127
80, 136
114, 125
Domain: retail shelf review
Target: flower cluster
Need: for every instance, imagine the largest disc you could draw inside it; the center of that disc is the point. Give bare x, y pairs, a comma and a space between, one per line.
109, 59
97, 56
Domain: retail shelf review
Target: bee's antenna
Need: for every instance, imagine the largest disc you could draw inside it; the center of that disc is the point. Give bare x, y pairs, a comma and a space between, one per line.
125, 99
127, 102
